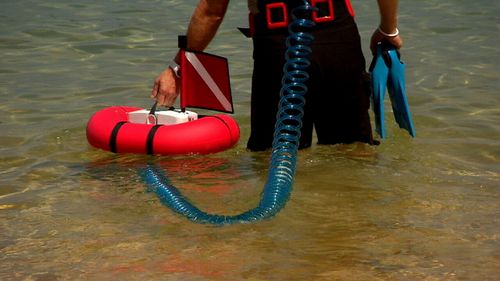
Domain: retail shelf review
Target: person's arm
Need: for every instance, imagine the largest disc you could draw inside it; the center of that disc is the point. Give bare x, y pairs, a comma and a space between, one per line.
204, 23
388, 28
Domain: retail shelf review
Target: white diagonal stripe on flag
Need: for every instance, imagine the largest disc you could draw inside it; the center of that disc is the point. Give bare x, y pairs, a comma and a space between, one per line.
202, 71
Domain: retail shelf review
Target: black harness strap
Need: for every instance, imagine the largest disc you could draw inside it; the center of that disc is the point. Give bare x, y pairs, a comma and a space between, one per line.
114, 134
224, 122
150, 139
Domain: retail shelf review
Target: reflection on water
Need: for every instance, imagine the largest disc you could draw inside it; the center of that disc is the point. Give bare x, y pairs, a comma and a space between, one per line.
409, 209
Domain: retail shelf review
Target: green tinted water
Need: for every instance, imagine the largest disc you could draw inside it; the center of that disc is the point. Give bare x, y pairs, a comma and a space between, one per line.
409, 209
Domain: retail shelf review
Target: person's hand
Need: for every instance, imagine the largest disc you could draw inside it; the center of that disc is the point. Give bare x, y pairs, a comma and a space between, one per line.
166, 88
378, 37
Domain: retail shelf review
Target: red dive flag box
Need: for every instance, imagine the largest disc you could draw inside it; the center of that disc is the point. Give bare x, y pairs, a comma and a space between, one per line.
205, 82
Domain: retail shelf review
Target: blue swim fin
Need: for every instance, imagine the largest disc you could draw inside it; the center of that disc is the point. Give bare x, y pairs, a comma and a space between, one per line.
397, 92
379, 77
388, 71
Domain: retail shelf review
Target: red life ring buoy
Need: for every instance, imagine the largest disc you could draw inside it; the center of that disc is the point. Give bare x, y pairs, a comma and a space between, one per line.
110, 130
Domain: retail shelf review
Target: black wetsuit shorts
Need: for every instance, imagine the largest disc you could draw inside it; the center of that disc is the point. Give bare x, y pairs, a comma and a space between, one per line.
338, 96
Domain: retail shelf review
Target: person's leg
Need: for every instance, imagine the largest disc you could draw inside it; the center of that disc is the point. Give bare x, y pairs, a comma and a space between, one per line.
342, 99
266, 85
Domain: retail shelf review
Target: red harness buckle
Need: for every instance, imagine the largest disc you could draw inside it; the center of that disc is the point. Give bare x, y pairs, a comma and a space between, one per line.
276, 15
349, 7
324, 10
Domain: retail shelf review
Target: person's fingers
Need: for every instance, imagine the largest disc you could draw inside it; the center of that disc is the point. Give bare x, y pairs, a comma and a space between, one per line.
378, 37
396, 41
165, 88
167, 94
154, 91
160, 99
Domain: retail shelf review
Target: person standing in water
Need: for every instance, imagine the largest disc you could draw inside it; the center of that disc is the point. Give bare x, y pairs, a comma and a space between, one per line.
338, 96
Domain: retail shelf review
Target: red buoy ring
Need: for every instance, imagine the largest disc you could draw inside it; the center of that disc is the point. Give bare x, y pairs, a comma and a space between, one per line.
110, 130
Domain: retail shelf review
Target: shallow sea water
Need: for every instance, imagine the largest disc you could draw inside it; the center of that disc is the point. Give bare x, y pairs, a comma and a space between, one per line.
410, 209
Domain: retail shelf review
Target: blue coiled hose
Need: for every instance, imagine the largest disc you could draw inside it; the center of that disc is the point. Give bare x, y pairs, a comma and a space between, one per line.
286, 138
